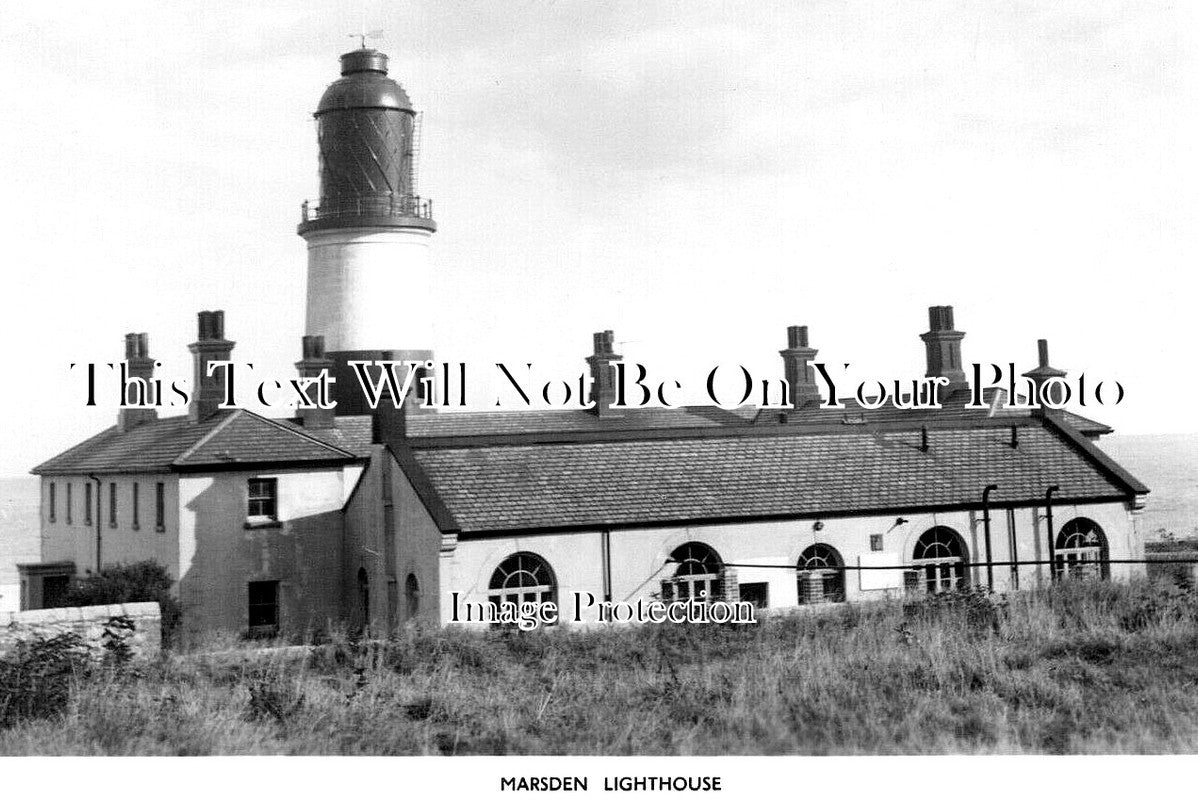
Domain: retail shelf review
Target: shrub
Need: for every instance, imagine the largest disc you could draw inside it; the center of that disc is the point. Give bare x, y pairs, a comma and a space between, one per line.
979, 609
272, 696
35, 679
139, 582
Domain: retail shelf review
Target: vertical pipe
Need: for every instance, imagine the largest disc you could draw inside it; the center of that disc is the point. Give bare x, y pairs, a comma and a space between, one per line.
99, 524
986, 528
1013, 546
605, 540
1052, 544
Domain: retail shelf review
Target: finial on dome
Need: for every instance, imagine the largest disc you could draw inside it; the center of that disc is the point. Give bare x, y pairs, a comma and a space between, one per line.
365, 34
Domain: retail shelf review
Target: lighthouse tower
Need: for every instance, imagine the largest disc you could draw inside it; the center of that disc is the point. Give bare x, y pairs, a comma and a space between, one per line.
368, 233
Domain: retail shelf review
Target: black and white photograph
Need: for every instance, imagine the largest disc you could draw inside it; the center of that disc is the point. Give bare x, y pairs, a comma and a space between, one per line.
628, 389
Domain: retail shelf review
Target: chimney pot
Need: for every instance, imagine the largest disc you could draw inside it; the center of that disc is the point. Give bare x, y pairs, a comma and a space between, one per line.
1042, 344
211, 326
796, 336
940, 318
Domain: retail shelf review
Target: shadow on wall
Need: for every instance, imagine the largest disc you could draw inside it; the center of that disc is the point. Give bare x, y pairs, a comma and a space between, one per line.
259, 578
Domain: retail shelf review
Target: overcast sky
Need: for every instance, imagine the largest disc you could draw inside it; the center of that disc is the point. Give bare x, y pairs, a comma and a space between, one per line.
696, 176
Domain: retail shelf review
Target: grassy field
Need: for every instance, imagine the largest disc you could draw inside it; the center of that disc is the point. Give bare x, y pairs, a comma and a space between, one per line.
1081, 668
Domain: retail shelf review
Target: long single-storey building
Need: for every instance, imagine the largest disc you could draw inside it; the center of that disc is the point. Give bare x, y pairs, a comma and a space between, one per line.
379, 518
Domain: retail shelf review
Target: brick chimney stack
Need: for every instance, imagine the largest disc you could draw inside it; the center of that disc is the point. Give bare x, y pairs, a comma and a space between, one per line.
1041, 375
208, 392
796, 360
314, 360
141, 367
943, 344
603, 375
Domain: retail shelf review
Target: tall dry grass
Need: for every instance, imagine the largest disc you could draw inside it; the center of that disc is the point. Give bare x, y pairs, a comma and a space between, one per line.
1079, 668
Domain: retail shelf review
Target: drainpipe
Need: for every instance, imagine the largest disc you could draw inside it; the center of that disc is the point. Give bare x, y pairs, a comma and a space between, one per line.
99, 523
1013, 544
605, 543
986, 527
1052, 545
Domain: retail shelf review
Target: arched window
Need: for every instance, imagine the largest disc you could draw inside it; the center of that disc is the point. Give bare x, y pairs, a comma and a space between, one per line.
697, 575
940, 559
820, 575
1081, 550
523, 578
412, 595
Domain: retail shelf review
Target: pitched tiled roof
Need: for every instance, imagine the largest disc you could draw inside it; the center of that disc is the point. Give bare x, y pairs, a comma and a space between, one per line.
151, 447
353, 433
853, 413
237, 437
492, 423
245, 438
675, 479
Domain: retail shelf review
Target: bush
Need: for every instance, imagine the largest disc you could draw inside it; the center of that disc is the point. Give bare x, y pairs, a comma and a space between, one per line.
139, 582
979, 609
35, 679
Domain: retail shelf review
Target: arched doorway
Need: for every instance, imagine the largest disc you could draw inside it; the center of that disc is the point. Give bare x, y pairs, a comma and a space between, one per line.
1081, 551
940, 560
412, 595
820, 575
698, 575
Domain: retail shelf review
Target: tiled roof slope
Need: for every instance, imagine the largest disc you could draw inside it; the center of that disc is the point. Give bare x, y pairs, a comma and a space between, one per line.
596, 483
853, 413
147, 448
246, 438
353, 433
514, 422
238, 437
498, 423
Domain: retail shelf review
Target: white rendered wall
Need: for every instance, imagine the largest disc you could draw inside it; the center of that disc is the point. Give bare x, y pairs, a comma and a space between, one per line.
221, 551
638, 556
369, 288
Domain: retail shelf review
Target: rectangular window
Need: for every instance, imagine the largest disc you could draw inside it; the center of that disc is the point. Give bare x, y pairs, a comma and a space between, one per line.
264, 607
263, 494
756, 593
69, 485
87, 503
160, 507
112, 505
136, 518
53, 501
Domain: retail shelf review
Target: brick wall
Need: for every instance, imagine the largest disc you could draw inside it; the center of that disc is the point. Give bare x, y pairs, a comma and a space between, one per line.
144, 637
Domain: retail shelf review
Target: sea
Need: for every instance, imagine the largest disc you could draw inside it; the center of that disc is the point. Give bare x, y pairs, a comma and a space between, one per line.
1167, 463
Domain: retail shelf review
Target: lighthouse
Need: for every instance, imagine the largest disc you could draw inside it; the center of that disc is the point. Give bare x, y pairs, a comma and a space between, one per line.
369, 231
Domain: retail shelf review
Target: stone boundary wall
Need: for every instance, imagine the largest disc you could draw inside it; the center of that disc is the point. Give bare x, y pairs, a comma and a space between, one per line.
144, 638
